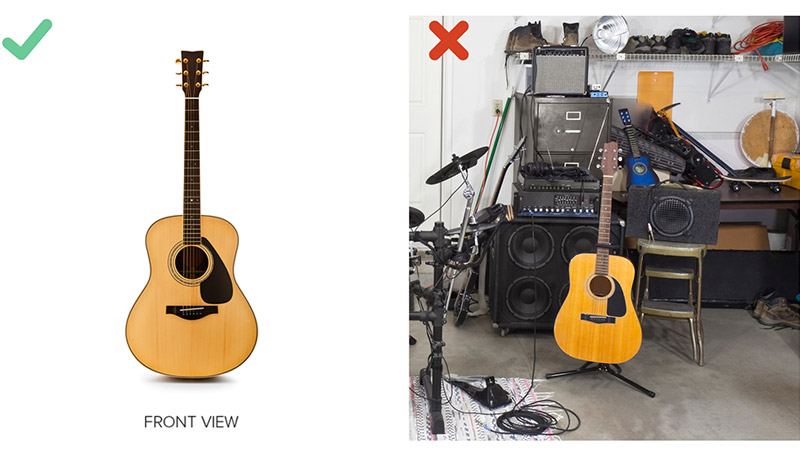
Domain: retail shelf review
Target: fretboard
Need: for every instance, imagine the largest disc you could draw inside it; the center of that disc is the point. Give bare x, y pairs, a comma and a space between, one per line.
191, 174
604, 229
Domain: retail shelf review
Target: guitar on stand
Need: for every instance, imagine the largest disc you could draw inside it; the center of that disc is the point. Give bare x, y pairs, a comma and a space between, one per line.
640, 173
597, 322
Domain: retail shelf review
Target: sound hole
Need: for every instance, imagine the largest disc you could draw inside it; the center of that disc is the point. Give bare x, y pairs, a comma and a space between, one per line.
600, 286
528, 298
530, 252
671, 216
191, 262
582, 239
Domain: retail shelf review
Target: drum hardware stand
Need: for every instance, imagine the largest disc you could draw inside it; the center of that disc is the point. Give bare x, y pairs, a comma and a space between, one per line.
464, 297
469, 193
431, 376
612, 369
413, 261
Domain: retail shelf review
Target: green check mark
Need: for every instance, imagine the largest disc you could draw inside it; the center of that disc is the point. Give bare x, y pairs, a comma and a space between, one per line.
21, 52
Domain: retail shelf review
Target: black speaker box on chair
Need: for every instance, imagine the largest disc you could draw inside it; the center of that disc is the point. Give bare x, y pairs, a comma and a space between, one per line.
528, 277
676, 213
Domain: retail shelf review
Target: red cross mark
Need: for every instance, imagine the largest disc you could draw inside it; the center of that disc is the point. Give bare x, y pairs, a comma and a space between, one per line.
449, 40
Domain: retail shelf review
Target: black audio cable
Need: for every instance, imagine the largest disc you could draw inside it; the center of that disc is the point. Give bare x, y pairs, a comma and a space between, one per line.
529, 419
523, 419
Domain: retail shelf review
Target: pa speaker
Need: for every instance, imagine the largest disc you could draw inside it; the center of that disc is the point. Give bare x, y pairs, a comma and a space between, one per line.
528, 270
560, 70
681, 214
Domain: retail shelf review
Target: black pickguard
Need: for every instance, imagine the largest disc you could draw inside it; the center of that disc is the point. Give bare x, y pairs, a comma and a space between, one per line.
217, 288
615, 305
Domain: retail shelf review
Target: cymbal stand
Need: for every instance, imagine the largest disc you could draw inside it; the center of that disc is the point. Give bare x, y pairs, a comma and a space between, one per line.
469, 193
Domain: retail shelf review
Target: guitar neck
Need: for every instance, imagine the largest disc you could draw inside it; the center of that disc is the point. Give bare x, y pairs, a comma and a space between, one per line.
630, 132
604, 229
191, 173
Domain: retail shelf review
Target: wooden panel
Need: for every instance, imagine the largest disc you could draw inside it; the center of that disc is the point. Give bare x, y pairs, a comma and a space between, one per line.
655, 89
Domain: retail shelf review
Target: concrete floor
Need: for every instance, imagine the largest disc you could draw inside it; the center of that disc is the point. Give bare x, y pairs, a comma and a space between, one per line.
749, 387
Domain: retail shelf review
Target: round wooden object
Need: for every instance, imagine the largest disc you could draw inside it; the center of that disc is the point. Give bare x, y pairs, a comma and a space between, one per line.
755, 136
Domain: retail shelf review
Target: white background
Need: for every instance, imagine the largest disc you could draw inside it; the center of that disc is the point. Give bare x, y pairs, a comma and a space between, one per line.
294, 153
303, 130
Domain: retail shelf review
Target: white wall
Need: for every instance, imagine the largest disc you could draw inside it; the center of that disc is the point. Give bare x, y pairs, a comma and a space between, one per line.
717, 122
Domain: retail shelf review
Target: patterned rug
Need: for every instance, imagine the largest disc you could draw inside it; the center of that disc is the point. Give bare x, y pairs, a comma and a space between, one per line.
467, 420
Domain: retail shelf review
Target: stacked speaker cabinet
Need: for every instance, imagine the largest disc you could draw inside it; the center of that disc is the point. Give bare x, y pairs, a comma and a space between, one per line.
528, 274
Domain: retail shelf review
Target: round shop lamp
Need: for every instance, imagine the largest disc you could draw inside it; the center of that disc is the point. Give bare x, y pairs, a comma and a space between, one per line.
611, 34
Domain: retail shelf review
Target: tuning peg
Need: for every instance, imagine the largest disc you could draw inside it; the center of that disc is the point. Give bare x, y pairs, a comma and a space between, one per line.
177, 61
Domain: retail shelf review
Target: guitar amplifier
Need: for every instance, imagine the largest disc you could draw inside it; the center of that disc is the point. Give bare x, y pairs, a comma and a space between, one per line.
560, 70
557, 199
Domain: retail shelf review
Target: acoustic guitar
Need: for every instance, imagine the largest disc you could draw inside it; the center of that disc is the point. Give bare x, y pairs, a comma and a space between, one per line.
638, 164
597, 322
191, 320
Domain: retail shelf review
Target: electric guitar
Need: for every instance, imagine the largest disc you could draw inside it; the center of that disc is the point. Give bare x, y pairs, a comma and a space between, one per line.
191, 320
597, 322
638, 164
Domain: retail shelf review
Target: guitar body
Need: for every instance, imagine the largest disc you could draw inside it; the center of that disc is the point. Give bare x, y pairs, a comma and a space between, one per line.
597, 321
639, 171
191, 320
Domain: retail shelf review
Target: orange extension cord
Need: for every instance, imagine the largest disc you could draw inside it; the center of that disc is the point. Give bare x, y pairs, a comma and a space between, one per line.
761, 35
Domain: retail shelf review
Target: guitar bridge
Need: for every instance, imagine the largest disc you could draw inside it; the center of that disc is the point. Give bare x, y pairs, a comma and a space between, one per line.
191, 312
599, 319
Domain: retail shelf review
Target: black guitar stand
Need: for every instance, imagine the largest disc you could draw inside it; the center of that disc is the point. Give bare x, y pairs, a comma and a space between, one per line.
612, 369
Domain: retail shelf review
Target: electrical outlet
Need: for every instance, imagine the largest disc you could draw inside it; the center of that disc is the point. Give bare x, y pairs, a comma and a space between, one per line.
497, 107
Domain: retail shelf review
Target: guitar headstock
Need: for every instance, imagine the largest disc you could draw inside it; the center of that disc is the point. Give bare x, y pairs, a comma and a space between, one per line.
191, 72
609, 161
625, 115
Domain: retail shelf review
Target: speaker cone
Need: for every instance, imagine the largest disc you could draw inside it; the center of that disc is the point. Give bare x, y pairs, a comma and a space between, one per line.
530, 252
581, 239
671, 216
528, 298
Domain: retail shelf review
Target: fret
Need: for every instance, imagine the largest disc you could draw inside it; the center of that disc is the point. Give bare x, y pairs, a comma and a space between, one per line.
191, 173
604, 229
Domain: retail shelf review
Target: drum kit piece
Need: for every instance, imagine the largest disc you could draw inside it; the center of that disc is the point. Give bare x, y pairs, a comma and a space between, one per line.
447, 263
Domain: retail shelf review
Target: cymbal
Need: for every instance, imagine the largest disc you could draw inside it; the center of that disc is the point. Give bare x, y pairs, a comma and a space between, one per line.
473, 156
415, 217
450, 170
